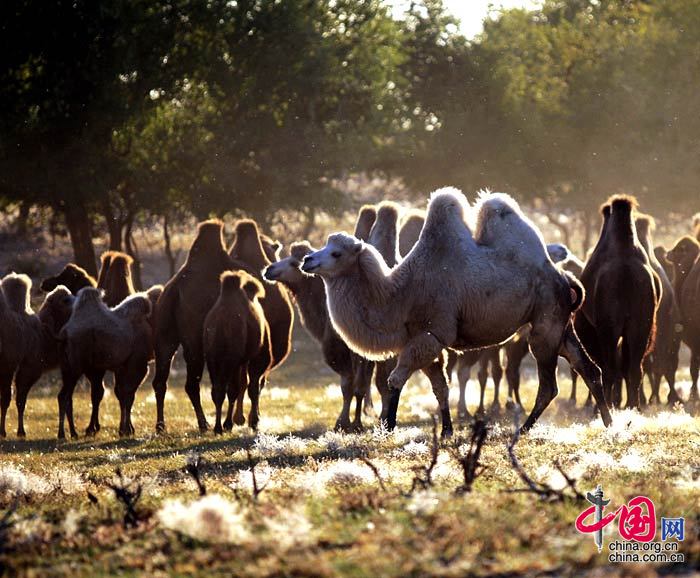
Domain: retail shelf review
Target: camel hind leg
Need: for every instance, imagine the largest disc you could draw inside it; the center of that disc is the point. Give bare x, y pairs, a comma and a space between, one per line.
497, 376
194, 359
5, 396
97, 392
257, 378
572, 350
126, 381
236, 389
65, 396
464, 370
515, 353
483, 377
165, 344
694, 371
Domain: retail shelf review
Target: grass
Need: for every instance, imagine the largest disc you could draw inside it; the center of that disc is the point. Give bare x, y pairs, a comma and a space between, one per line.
322, 511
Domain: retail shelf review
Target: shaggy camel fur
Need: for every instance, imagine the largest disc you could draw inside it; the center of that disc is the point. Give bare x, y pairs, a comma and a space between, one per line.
411, 226
115, 277
685, 257
27, 341
663, 359
503, 280
310, 297
247, 248
622, 299
179, 317
237, 343
97, 339
72, 277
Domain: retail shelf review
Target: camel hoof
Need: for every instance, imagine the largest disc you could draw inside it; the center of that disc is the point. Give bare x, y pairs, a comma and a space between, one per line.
20, 434
446, 433
203, 427
90, 432
74, 435
495, 409
3, 434
61, 435
239, 420
160, 427
368, 411
218, 430
228, 425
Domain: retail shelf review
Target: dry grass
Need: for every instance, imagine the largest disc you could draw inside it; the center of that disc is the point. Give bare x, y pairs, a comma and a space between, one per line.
322, 511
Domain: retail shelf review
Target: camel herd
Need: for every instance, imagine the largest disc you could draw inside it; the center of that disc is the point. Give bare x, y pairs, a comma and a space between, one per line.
436, 292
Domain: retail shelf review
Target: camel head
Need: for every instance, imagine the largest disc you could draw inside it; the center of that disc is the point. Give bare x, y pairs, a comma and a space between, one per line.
72, 277
288, 270
684, 253
338, 256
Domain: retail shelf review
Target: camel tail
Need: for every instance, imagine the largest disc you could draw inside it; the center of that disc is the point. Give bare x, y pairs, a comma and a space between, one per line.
365, 220
15, 289
576, 291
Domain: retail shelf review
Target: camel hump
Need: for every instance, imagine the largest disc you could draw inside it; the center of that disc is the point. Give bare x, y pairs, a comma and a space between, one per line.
15, 289
645, 224
233, 281
246, 228
623, 203
300, 250
387, 213
445, 219
134, 307
210, 237
117, 259
365, 220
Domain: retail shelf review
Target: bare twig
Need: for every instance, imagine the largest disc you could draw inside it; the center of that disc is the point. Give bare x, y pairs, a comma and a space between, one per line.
471, 467
544, 491
257, 489
6, 524
128, 492
375, 471
423, 477
192, 467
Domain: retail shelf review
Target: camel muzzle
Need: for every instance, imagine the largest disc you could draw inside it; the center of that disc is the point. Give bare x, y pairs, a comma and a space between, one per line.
269, 273
309, 266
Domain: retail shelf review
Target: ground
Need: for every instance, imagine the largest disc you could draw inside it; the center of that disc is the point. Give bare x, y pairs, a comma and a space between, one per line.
322, 511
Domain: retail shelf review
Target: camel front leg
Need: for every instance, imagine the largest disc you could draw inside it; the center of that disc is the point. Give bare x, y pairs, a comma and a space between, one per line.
572, 350
419, 353
343, 421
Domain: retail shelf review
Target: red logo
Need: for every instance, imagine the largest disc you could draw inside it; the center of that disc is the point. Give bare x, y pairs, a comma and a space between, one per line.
637, 519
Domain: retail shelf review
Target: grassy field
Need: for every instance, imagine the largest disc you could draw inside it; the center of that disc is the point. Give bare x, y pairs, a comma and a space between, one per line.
322, 511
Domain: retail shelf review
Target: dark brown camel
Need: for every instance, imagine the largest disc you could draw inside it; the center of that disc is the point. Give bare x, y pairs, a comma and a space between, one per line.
237, 342
663, 359
685, 257
622, 293
72, 277
115, 277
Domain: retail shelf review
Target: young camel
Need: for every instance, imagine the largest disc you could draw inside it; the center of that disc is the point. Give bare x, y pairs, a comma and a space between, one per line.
622, 298
97, 339
247, 248
237, 342
310, 297
503, 279
685, 257
663, 359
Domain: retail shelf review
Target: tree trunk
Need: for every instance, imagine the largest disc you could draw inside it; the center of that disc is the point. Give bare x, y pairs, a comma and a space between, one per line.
79, 229
23, 218
168, 247
114, 226
132, 249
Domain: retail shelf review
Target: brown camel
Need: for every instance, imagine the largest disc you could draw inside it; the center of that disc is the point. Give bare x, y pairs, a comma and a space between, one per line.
503, 280
29, 345
237, 343
97, 339
622, 298
247, 248
72, 277
685, 257
310, 297
663, 359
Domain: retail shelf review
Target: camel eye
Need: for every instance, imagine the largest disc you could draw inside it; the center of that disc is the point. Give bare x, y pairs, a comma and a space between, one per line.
336, 254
